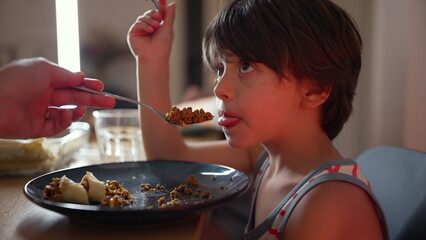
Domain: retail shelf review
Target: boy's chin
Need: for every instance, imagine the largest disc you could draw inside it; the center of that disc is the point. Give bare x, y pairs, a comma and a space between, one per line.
237, 143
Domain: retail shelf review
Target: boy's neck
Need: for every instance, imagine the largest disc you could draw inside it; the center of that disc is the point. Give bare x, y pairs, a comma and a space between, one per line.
303, 153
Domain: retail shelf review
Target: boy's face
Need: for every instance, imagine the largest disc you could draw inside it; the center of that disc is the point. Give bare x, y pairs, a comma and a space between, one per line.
255, 105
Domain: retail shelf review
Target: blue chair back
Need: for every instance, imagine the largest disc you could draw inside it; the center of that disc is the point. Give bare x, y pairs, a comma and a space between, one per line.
398, 179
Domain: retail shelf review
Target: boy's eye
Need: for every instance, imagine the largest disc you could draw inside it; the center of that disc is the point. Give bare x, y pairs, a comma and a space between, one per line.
220, 70
246, 67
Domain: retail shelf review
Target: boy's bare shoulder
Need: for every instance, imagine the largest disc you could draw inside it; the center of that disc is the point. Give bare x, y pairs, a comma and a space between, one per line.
334, 210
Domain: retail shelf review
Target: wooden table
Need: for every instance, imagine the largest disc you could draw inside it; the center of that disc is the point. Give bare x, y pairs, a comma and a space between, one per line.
22, 219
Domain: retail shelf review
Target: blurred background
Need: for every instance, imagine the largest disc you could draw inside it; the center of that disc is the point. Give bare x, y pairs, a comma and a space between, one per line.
389, 107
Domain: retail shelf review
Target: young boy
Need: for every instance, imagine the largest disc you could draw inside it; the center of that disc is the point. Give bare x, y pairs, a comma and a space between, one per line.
286, 76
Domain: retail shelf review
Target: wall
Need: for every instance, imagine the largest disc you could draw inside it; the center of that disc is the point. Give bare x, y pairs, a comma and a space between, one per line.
414, 125
27, 28
389, 107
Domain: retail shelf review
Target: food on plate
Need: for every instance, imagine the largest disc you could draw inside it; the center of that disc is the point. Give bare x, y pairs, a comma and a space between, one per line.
176, 195
171, 203
90, 189
207, 194
183, 189
66, 190
17, 155
146, 186
95, 188
161, 200
192, 180
186, 116
176, 192
116, 195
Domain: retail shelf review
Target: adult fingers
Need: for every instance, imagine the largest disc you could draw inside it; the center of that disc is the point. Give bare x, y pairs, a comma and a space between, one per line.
78, 113
63, 116
61, 77
56, 121
94, 84
62, 97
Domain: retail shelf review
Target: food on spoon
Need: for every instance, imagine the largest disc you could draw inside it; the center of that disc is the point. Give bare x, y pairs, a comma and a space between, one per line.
66, 190
95, 188
186, 116
111, 194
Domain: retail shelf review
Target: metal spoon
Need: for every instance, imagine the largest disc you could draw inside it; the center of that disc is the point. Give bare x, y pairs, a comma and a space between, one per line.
118, 97
157, 6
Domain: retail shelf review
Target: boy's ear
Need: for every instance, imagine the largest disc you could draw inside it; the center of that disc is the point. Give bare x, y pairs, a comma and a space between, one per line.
314, 96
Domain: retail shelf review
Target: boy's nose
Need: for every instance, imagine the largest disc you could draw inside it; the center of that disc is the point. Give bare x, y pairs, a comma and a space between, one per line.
223, 88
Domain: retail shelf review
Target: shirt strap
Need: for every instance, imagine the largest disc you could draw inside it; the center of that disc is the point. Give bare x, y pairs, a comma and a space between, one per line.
334, 176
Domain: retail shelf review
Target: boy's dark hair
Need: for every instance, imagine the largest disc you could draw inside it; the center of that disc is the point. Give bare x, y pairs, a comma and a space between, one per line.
312, 40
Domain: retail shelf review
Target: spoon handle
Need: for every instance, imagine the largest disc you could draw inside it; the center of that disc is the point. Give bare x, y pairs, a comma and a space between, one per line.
118, 97
157, 5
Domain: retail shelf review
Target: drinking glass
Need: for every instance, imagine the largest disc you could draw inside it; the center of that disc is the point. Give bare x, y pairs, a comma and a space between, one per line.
119, 135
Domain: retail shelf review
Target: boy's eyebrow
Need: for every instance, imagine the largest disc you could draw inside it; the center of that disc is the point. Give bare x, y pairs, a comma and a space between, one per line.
230, 58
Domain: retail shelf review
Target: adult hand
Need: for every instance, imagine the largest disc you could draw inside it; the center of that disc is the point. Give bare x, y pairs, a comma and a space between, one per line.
32, 92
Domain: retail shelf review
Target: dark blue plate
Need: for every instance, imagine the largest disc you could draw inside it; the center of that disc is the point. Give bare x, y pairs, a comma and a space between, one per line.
223, 182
